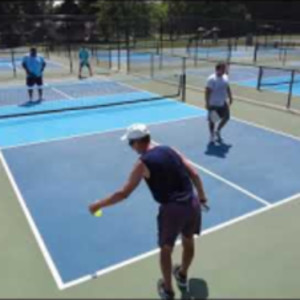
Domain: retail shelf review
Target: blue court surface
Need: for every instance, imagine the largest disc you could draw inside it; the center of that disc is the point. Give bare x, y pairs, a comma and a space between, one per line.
61, 163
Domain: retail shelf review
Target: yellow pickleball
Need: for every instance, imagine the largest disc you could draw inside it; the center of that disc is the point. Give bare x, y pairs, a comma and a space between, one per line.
98, 213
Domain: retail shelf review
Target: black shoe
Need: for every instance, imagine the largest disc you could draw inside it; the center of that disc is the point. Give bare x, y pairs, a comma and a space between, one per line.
180, 279
163, 293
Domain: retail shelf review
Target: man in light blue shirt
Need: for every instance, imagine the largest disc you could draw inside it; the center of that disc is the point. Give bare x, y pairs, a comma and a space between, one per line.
84, 61
34, 66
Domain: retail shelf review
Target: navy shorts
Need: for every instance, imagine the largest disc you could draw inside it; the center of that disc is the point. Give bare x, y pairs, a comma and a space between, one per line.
31, 81
176, 219
85, 63
222, 111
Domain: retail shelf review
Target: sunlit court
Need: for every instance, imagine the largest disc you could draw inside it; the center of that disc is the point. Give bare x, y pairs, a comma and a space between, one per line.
149, 150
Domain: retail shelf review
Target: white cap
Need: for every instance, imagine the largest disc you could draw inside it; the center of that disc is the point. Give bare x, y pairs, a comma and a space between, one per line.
135, 132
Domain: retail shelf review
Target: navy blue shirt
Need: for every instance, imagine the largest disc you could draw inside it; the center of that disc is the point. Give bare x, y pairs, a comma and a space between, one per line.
169, 179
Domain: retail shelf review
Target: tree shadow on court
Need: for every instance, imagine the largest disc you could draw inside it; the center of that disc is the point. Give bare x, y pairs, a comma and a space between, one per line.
198, 289
218, 149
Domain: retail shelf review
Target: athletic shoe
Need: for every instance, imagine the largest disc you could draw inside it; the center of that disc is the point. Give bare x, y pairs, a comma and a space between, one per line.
218, 137
163, 293
212, 139
180, 279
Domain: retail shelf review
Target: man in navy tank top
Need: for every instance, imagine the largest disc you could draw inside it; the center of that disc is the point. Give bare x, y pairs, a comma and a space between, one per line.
171, 179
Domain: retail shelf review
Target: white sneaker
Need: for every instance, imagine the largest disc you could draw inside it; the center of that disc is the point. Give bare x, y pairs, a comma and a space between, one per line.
212, 138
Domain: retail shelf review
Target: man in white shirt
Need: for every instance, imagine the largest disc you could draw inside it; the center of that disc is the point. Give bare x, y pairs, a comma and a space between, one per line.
34, 66
216, 95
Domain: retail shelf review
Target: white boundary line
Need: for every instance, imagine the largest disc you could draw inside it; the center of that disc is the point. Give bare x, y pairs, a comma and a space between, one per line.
33, 226
75, 136
46, 254
62, 93
231, 184
155, 251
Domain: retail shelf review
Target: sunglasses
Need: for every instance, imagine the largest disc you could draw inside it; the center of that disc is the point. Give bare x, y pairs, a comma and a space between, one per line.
131, 142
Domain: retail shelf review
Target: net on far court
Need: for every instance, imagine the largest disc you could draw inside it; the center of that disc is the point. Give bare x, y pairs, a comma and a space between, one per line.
272, 77
88, 94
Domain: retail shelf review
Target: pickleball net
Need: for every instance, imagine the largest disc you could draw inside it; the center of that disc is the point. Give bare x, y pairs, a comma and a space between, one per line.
269, 77
89, 94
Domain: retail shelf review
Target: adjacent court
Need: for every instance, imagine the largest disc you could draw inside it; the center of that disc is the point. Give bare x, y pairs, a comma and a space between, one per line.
59, 163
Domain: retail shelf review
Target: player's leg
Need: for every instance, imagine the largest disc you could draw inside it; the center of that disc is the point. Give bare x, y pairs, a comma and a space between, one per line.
188, 252
80, 69
39, 82
211, 125
166, 267
168, 231
193, 226
90, 69
224, 113
30, 84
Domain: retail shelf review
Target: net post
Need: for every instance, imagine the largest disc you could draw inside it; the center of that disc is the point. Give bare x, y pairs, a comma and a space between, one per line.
183, 80
260, 74
152, 65
13, 62
288, 105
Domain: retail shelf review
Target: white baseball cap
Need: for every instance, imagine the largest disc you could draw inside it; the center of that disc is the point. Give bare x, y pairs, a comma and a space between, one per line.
135, 132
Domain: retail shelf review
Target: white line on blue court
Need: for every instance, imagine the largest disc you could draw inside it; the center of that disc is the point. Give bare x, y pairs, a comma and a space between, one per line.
50, 263
230, 183
205, 232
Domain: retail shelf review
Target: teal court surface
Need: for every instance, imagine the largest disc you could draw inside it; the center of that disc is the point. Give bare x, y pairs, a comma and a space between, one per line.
58, 163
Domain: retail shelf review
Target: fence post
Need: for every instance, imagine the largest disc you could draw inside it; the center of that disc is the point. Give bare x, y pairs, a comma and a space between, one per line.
183, 80
109, 57
13, 62
288, 105
70, 58
259, 78
255, 52
152, 65
119, 54
128, 52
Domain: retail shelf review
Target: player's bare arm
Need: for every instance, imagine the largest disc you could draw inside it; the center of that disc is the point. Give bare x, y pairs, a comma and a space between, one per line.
135, 178
197, 182
207, 96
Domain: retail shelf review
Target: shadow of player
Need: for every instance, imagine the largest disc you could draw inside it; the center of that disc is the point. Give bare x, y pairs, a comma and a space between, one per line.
218, 149
30, 103
198, 289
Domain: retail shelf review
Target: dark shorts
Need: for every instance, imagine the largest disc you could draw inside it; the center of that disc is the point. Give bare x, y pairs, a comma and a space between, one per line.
223, 111
176, 219
85, 64
31, 81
